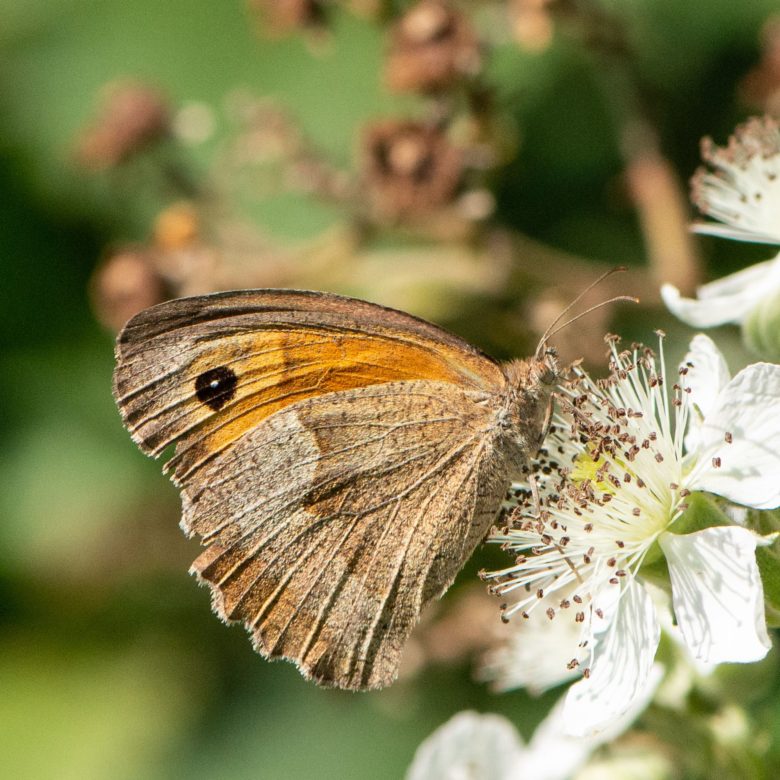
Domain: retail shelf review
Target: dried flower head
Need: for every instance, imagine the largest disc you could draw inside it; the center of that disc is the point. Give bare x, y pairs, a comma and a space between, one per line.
760, 89
408, 169
177, 226
532, 23
282, 17
132, 117
127, 282
432, 46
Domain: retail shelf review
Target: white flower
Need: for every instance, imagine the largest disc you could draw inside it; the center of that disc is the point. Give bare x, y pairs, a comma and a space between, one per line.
487, 747
469, 746
728, 300
535, 653
612, 480
743, 192
734, 423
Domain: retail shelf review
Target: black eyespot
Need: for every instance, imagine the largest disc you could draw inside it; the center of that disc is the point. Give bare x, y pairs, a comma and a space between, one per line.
216, 387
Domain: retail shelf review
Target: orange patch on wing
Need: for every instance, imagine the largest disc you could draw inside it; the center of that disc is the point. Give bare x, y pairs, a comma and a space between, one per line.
276, 368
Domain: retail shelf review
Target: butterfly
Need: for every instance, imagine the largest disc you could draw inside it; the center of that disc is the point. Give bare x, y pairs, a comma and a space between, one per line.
339, 461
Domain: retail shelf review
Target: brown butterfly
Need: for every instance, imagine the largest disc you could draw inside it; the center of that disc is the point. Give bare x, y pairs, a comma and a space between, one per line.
339, 460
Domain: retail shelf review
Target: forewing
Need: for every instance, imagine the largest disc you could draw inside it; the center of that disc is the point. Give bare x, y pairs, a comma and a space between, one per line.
333, 522
203, 371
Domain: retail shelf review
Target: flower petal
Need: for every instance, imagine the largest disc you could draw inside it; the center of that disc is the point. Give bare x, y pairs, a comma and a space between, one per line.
536, 651
735, 233
553, 755
707, 372
622, 658
729, 299
468, 745
741, 185
717, 593
747, 412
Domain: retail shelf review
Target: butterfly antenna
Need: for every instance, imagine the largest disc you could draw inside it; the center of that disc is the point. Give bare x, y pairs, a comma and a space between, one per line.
552, 329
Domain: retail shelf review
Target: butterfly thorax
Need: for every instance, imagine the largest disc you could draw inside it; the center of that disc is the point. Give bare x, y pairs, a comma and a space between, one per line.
526, 405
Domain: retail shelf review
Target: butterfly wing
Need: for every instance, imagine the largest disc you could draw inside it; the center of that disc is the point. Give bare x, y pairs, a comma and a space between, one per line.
335, 456
334, 522
202, 371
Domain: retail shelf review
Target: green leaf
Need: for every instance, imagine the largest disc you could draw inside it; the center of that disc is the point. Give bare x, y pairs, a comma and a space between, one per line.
768, 559
761, 329
702, 512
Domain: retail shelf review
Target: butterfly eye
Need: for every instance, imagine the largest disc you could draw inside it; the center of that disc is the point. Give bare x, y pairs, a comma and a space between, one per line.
216, 387
551, 369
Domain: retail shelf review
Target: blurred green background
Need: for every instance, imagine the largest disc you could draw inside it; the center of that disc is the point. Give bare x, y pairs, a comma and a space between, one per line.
111, 662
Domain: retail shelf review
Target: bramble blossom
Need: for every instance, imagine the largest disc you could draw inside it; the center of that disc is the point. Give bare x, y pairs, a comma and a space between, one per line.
472, 745
616, 474
742, 191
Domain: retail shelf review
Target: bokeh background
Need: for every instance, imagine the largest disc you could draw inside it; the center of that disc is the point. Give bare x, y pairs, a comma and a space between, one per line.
478, 172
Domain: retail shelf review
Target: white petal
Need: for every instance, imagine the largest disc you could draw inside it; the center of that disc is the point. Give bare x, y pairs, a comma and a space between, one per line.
708, 373
468, 746
752, 280
735, 233
536, 651
703, 314
553, 755
717, 593
622, 658
729, 299
747, 470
